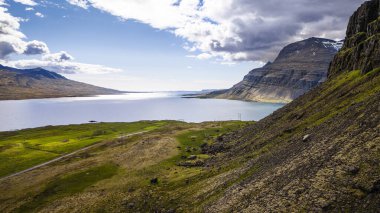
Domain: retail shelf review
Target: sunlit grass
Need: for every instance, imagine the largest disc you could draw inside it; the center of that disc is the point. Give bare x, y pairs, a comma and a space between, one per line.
26, 148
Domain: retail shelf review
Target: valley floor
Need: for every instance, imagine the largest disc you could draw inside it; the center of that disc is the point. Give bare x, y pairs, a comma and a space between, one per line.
160, 169
319, 153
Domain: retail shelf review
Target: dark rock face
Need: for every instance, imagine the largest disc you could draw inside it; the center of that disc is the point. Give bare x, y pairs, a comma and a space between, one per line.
298, 68
338, 168
361, 49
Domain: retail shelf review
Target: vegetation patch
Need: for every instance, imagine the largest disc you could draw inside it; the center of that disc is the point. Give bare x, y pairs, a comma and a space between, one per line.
23, 149
69, 185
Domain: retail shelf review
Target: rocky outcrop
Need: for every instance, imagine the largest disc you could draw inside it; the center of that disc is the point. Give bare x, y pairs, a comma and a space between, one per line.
361, 49
41, 83
322, 151
298, 68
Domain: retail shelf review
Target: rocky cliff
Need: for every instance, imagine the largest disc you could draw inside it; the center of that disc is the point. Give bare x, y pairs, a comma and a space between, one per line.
298, 68
361, 49
41, 83
320, 153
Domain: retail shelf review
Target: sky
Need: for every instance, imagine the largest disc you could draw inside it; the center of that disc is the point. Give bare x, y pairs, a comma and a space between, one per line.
161, 45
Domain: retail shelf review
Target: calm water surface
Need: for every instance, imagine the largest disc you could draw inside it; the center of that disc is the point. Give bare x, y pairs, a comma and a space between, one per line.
125, 108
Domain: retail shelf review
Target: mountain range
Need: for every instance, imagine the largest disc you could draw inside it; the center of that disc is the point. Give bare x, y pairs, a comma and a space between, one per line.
321, 152
41, 83
298, 68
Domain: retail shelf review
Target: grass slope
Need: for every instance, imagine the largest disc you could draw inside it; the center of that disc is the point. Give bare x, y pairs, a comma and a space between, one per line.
116, 176
23, 149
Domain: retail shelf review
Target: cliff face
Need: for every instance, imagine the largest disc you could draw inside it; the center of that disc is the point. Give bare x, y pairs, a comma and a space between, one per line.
320, 153
298, 68
40, 83
361, 49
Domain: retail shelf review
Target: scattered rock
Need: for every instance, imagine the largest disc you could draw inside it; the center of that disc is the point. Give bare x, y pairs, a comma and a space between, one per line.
325, 205
130, 205
306, 138
375, 186
197, 163
154, 181
289, 130
192, 157
353, 170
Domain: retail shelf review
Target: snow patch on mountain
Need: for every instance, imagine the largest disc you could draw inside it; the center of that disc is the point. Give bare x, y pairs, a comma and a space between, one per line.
337, 45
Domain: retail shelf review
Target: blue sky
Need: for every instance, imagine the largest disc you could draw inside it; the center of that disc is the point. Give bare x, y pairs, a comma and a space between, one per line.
162, 47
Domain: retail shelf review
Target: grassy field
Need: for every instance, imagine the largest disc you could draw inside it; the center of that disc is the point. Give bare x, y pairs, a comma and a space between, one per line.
23, 149
116, 176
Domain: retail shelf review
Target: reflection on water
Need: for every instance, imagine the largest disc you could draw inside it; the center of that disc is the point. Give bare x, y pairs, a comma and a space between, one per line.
125, 96
126, 108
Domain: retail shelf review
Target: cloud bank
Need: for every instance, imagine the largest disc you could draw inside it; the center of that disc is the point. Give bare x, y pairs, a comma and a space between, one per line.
63, 67
235, 29
26, 2
13, 41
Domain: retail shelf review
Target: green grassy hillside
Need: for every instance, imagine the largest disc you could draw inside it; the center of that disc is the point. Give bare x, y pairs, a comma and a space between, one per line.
26, 148
116, 175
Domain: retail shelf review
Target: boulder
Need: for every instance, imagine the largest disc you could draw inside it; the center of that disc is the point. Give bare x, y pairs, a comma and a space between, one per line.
306, 138
154, 181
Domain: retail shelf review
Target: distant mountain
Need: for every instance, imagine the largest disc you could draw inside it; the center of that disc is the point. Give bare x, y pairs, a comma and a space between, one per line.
298, 68
40, 83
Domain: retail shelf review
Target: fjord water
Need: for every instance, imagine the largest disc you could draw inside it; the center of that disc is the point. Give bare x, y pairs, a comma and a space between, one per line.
127, 107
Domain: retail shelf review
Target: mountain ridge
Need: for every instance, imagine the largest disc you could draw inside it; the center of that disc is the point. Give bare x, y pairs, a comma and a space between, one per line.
299, 67
321, 152
16, 84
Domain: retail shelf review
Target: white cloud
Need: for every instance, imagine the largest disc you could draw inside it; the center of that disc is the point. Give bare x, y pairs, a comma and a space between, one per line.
13, 41
58, 57
202, 56
64, 67
39, 14
235, 29
36, 48
29, 8
26, 2
80, 3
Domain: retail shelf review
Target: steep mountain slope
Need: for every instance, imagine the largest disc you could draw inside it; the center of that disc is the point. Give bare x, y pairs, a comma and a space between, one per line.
298, 68
322, 151
40, 83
